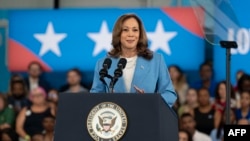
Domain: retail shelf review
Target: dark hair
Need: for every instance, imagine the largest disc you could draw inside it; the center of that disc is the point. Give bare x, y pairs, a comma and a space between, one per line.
76, 70
35, 63
217, 96
184, 115
142, 46
17, 82
179, 70
49, 116
190, 138
203, 88
243, 78
10, 132
206, 63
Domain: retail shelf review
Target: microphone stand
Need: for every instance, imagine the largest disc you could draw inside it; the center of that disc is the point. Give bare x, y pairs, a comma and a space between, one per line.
228, 45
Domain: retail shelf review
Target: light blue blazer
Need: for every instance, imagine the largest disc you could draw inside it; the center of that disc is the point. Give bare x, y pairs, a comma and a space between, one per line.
150, 75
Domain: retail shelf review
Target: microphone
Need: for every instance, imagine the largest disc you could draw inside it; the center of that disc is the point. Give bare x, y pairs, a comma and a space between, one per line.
118, 73
121, 65
104, 71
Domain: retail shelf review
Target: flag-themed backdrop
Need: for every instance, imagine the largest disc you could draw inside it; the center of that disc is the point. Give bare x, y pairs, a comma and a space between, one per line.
66, 38
240, 57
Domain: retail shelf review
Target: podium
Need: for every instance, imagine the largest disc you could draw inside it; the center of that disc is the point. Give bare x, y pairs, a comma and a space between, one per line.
149, 118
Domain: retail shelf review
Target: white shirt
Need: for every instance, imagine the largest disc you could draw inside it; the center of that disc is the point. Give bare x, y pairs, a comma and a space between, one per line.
128, 72
33, 83
199, 136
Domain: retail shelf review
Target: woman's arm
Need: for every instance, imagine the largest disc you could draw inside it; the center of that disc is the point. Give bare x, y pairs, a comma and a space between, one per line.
97, 85
20, 123
164, 84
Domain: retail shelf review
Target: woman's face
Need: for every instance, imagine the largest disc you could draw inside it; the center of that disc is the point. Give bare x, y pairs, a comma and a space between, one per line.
174, 74
37, 97
183, 136
222, 91
245, 99
130, 34
191, 96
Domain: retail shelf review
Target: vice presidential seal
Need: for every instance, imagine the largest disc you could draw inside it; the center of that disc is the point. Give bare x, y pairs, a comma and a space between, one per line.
107, 121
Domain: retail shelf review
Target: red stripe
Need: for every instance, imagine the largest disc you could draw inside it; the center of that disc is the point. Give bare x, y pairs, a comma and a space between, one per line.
185, 17
19, 57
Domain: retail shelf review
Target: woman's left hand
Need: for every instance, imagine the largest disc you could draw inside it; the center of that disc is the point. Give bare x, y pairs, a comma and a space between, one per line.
138, 90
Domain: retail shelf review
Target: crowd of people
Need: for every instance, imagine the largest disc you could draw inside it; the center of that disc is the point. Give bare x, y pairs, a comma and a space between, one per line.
201, 106
28, 109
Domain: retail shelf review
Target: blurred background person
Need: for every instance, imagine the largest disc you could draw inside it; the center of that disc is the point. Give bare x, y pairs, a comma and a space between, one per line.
217, 133
188, 123
191, 102
48, 125
74, 82
242, 85
8, 134
244, 110
205, 116
7, 114
29, 120
179, 81
220, 97
184, 135
18, 95
206, 79
35, 78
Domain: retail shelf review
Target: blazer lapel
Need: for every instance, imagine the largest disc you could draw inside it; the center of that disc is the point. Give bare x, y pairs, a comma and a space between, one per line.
140, 73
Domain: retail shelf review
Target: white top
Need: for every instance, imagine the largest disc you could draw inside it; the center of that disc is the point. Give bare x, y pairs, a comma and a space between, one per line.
33, 83
128, 72
199, 136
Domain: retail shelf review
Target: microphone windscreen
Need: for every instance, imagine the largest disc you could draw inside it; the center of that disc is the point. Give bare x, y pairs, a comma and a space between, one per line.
107, 63
122, 62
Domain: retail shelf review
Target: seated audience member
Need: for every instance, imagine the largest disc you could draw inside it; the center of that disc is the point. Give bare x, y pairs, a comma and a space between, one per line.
29, 120
17, 97
191, 102
7, 114
244, 110
74, 85
8, 134
179, 81
184, 135
35, 78
48, 125
15, 77
188, 123
242, 85
220, 99
53, 96
204, 114
206, 79
217, 134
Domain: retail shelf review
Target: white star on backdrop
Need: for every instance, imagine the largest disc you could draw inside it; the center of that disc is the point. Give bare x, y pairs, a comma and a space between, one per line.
160, 39
50, 40
102, 39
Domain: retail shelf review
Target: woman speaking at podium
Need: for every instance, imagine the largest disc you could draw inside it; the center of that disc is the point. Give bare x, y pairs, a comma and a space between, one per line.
142, 71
